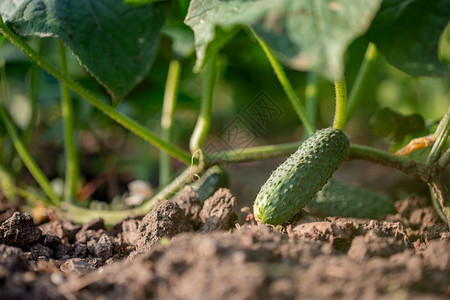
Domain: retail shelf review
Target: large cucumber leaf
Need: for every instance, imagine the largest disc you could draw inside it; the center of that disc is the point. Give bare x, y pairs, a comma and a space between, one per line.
407, 33
115, 42
306, 34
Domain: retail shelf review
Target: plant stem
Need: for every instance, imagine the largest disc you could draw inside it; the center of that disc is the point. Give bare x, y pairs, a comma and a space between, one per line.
356, 152
284, 81
252, 153
403, 164
311, 92
204, 118
370, 58
437, 206
125, 121
83, 215
442, 132
27, 159
72, 167
341, 104
168, 110
445, 159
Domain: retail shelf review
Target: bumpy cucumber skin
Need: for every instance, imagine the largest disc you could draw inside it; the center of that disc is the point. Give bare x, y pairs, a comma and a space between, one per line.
338, 198
296, 181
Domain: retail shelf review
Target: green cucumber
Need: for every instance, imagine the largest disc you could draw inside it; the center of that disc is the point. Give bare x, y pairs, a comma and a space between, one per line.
338, 198
296, 181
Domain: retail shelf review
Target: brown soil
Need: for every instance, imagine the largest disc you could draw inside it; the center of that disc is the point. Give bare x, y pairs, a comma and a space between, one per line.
185, 249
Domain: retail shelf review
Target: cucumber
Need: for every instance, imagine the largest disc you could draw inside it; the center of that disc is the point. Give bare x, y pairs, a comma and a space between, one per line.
297, 180
338, 198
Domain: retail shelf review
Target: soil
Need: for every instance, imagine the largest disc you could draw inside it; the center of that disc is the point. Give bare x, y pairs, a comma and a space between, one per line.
185, 249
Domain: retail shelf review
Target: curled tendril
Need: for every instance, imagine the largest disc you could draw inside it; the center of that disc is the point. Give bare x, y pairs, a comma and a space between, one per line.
194, 175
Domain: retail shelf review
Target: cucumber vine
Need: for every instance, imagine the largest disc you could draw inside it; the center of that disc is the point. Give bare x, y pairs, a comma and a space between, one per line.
195, 160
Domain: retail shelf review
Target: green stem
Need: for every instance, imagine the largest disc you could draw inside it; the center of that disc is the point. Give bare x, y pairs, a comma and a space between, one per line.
401, 163
72, 167
356, 152
437, 206
445, 159
27, 159
442, 132
284, 81
252, 153
126, 122
341, 104
367, 66
84, 215
168, 110
311, 95
204, 118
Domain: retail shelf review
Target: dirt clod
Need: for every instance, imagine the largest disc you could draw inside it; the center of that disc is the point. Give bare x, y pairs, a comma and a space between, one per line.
219, 211
19, 231
165, 220
181, 250
104, 247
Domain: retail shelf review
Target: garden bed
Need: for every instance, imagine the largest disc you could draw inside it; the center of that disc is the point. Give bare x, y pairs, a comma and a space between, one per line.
184, 249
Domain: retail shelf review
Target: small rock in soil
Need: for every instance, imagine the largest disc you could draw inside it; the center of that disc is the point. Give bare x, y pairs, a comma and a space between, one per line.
40, 251
77, 266
55, 229
50, 240
19, 231
219, 211
63, 252
104, 247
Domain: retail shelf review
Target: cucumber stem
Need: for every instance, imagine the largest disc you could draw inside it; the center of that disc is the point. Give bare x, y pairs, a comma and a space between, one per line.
111, 217
168, 110
370, 59
341, 104
204, 118
356, 152
284, 81
72, 167
108, 110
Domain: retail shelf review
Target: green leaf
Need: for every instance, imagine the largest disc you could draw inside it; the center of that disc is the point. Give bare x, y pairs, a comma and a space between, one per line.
407, 33
2, 38
305, 34
116, 43
397, 128
338, 198
182, 39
